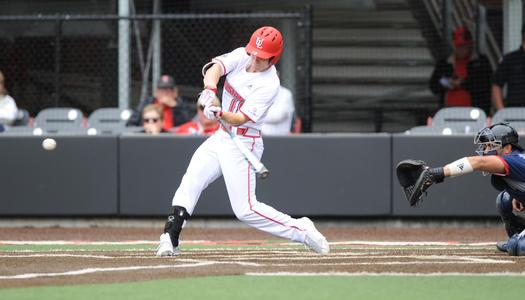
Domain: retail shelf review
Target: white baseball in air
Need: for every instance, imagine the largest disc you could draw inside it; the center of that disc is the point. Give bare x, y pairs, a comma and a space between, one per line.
49, 144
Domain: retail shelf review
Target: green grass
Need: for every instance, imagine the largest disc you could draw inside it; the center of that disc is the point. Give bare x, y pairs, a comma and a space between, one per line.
277, 287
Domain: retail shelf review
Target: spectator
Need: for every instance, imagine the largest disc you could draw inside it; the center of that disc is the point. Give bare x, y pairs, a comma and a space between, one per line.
8, 109
174, 110
510, 72
280, 115
152, 119
200, 125
463, 78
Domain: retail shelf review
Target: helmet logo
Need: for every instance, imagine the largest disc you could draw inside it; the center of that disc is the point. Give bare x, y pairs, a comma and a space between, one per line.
259, 43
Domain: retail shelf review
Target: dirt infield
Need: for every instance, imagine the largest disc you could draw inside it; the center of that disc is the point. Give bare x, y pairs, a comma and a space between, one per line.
241, 251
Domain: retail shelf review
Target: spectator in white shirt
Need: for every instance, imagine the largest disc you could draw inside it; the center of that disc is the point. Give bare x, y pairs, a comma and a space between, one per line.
8, 109
279, 119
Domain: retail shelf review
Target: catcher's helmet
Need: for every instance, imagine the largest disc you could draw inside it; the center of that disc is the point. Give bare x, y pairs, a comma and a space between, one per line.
497, 135
266, 42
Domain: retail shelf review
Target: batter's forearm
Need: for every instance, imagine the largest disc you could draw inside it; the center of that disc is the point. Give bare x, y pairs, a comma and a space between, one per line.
235, 119
212, 76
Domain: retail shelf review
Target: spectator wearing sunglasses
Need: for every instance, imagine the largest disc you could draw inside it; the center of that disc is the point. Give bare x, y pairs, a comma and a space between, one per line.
175, 111
152, 119
200, 125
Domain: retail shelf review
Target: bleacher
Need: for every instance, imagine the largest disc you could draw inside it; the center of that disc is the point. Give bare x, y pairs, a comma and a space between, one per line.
469, 120
71, 121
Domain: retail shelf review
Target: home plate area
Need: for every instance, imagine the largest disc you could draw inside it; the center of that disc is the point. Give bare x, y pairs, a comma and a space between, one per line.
63, 256
70, 262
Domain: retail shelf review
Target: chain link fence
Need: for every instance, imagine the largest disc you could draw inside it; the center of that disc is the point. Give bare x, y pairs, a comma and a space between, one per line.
73, 61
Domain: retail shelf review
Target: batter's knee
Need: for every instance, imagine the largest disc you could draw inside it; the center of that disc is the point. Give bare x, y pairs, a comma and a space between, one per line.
244, 215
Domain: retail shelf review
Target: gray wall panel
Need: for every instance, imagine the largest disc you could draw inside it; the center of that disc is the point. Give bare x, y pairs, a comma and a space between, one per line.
79, 177
322, 175
328, 175
469, 195
151, 169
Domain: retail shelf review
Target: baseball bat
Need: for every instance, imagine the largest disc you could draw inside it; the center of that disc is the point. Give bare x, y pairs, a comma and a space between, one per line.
260, 169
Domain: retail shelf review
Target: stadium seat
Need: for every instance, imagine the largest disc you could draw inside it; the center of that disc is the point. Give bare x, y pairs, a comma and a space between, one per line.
59, 120
22, 117
460, 119
108, 121
133, 129
19, 130
432, 130
515, 116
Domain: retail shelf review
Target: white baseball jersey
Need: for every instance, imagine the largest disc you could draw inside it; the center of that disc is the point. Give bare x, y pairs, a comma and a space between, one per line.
252, 94
8, 110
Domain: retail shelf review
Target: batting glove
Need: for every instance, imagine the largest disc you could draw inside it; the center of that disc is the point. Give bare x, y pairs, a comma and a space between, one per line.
212, 112
206, 97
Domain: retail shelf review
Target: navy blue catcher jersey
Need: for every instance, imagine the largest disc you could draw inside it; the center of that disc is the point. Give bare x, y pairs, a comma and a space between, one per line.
514, 176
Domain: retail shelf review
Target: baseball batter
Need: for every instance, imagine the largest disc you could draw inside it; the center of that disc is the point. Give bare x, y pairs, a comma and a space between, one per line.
499, 155
249, 88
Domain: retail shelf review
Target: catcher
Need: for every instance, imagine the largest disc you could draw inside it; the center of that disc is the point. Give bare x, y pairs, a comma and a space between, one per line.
499, 155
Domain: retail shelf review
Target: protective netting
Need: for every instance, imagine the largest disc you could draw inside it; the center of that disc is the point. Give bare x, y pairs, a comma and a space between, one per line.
73, 61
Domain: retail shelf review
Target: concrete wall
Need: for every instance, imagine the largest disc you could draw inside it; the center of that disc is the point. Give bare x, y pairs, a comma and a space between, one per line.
317, 175
77, 178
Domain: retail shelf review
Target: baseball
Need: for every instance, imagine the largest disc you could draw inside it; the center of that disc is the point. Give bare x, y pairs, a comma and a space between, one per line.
49, 144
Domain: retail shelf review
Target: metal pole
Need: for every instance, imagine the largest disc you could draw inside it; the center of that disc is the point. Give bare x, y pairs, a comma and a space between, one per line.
446, 18
307, 102
482, 29
58, 61
288, 63
157, 46
512, 20
123, 55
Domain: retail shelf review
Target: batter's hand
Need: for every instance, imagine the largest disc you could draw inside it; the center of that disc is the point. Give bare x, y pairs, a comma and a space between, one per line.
206, 97
212, 112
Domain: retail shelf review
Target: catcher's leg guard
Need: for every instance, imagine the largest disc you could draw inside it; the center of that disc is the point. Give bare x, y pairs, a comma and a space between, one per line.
513, 224
174, 224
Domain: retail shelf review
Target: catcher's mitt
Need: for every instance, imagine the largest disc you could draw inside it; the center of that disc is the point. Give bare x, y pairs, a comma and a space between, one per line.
416, 177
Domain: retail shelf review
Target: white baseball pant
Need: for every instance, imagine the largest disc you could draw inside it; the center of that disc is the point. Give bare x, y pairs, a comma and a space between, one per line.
217, 156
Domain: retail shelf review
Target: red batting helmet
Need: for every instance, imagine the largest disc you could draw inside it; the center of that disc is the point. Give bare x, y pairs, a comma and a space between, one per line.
266, 42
